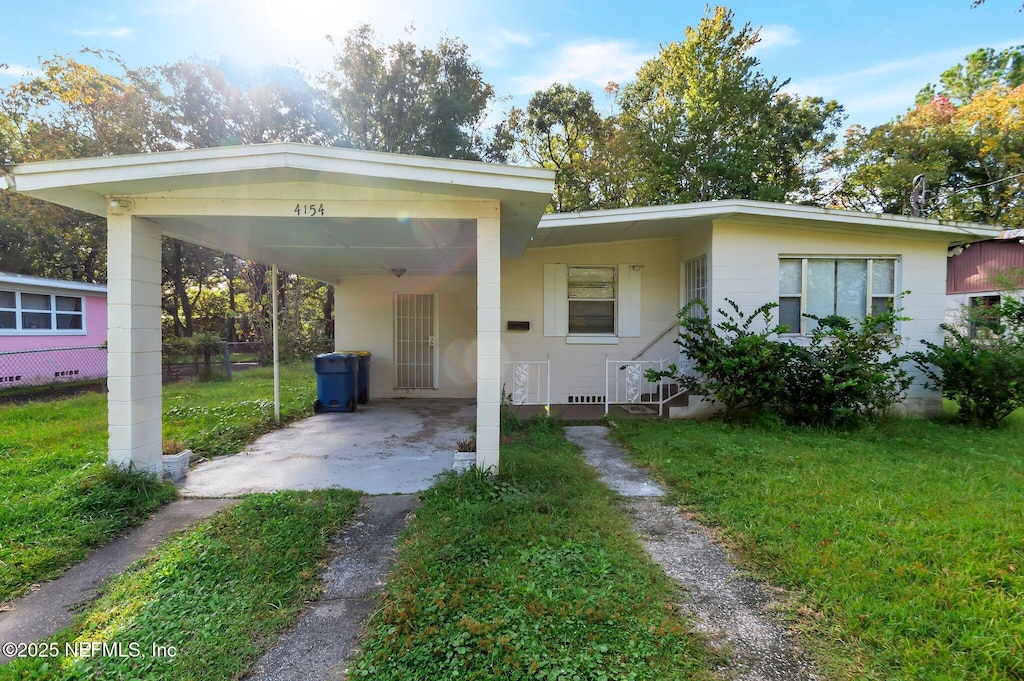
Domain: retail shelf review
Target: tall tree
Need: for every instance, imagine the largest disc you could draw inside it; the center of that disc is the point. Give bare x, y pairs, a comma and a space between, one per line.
223, 103
979, 71
403, 99
560, 129
73, 107
965, 136
703, 123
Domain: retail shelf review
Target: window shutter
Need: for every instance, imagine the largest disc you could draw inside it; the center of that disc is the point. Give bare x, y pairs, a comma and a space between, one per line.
629, 301
556, 300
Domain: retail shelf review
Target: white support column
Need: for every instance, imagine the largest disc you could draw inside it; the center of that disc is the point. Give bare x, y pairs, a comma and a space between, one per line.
133, 343
277, 352
488, 340
340, 327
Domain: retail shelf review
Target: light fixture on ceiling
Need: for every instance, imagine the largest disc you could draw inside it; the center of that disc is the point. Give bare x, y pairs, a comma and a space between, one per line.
120, 203
397, 271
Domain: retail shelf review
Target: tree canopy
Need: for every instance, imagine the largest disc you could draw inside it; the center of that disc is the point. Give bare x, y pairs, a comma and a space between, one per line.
407, 100
704, 123
965, 136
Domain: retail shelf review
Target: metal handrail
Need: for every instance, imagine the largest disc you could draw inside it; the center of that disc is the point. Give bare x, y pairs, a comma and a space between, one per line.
673, 325
636, 382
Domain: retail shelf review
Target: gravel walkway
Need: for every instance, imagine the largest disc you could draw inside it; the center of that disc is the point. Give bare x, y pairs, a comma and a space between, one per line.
325, 641
733, 612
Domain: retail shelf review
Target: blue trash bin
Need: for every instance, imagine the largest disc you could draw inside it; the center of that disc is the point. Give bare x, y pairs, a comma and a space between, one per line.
337, 380
363, 358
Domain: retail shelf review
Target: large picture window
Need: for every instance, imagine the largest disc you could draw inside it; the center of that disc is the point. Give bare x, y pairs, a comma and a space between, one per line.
591, 300
21, 311
848, 287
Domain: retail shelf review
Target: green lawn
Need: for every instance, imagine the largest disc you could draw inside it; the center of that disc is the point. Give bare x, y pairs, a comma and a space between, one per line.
532, 575
58, 500
904, 542
211, 599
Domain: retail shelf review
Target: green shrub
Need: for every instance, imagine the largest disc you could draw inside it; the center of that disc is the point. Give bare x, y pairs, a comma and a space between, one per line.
847, 374
984, 375
844, 375
735, 362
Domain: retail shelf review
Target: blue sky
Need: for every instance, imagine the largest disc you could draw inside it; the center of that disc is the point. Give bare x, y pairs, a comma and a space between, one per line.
870, 55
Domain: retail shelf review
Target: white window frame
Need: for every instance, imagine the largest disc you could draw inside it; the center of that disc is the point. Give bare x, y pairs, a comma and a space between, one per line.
627, 304
695, 278
53, 312
614, 300
974, 329
871, 295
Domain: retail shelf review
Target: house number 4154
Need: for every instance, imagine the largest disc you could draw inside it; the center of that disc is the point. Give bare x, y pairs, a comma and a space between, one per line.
309, 209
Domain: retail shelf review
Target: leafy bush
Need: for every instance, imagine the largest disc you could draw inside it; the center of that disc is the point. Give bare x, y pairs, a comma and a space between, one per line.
735, 362
984, 375
847, 374
844, 375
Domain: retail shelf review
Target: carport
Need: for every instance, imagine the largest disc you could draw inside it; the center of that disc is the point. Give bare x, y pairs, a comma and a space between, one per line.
336, 215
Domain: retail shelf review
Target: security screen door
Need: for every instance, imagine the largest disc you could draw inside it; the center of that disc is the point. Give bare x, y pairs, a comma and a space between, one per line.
415, 354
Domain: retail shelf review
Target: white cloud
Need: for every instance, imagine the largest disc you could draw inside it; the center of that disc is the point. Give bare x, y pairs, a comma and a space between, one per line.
491, 47
594, 62
510, 38
117, 32
776, 35
878, 93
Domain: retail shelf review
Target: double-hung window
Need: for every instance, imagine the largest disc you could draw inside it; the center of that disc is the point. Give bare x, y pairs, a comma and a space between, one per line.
848, 287
591, 293
34, 313
592, 304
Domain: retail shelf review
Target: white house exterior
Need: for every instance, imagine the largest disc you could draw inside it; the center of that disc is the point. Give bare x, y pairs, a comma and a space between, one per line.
450, 274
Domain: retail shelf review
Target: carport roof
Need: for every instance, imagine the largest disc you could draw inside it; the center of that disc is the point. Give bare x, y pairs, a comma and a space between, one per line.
88, 184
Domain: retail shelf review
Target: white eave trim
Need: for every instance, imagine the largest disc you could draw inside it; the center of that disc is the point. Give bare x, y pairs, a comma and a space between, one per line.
735, 207
335, 160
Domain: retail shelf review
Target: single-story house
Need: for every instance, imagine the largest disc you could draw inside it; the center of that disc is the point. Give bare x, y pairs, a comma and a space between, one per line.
980, 274
51, 331
450, 273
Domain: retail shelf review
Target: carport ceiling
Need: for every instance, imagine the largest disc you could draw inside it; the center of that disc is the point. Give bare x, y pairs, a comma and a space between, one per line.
331, 249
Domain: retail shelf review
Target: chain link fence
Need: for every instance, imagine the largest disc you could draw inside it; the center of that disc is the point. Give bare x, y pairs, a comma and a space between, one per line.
34, 371
28, 370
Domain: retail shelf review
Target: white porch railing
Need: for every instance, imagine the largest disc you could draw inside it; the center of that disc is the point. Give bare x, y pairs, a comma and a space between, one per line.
626, 382
527, 383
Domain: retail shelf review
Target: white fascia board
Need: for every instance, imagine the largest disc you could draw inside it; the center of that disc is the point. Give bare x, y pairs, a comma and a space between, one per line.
332, 160
723, 209
26, 281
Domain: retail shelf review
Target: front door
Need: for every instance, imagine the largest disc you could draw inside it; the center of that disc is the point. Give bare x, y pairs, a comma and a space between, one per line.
415, 334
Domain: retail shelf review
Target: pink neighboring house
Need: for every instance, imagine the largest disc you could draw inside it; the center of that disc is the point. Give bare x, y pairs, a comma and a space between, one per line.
51, 331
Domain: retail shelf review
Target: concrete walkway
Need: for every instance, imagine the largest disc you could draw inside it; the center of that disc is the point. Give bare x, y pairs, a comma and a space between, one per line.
385, 447
733, 612
51, 606
325, 641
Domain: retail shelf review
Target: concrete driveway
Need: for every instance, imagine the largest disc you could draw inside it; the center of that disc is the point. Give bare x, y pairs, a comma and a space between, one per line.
385, 447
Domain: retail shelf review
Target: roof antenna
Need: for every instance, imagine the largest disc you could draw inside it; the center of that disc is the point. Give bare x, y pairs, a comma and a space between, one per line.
918, 195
